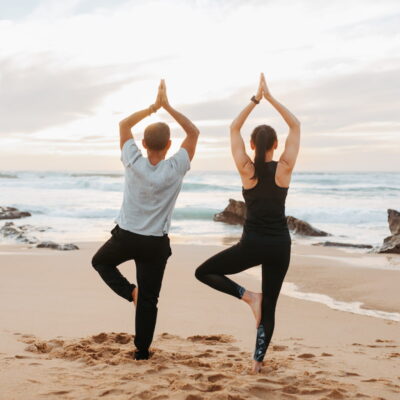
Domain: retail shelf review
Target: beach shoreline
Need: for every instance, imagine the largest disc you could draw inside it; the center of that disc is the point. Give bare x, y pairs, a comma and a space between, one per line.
49, 295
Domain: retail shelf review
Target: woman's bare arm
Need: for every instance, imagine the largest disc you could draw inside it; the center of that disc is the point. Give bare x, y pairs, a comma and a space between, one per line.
292, 144
242, 160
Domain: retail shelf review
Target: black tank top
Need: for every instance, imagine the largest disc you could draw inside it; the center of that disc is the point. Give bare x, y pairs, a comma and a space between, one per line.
266, 207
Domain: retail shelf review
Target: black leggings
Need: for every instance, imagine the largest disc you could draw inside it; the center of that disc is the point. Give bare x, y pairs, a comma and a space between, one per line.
249, 252
150, 254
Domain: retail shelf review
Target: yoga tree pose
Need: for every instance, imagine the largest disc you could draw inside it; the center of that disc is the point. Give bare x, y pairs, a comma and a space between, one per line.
151, 188
265, 239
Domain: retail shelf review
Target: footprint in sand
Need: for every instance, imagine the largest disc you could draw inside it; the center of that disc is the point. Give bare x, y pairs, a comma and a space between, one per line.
196, 376
57, 392
211, 339
194, 397
214, 388
264, 392
33, 381
279, 348
336, 394
216, 377
346, 373
111, 391
306, 356
313, 391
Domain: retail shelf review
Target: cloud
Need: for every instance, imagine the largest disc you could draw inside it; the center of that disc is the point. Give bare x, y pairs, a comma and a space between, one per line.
360, 97
43, 93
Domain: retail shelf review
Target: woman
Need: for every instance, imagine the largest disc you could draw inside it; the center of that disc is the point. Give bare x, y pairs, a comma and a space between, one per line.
265, 239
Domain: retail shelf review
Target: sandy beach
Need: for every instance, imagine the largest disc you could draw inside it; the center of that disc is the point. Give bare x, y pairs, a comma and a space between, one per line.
65, 335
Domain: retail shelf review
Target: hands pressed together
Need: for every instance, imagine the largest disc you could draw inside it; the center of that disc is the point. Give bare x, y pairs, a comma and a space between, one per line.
162, 98
263, 90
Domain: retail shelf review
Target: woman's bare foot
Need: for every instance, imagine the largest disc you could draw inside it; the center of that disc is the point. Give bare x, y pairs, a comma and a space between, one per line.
254, 300
135, 293
256, 368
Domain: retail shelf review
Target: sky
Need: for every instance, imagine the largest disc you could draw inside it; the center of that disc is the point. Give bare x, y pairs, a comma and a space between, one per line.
70, 70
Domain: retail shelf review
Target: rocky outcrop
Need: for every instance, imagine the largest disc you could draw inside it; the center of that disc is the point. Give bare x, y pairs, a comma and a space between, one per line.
391, 244
339, 244
235, 214
394, 221
57, 246
12, 213
300, 227
24, 234
21, 233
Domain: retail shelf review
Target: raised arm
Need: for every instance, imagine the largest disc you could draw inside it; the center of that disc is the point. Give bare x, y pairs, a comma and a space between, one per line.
292, 144
126, 125
192, 132
242, 160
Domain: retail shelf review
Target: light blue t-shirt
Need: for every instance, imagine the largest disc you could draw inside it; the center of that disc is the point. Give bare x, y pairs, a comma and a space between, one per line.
150, 191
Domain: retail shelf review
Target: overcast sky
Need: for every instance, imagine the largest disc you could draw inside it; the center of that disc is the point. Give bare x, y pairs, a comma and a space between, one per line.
70, 70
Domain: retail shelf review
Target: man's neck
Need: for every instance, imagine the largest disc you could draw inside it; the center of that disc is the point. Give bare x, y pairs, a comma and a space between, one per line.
155, 157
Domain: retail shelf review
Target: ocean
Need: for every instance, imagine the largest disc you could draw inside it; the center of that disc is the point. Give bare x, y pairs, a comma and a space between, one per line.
82, 206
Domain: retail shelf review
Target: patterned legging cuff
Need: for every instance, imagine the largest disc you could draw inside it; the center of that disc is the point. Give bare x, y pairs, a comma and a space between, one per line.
261, 344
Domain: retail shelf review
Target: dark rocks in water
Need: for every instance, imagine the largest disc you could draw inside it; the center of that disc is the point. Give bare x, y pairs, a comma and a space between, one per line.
234, 213
300, 227
57, 246
338, 244
12, 213
394, 221
391, 244
23, 234
20, 233
8, 176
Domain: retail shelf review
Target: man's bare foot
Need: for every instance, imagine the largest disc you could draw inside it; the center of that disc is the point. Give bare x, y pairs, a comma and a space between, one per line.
256, 367
254, 300
135, 293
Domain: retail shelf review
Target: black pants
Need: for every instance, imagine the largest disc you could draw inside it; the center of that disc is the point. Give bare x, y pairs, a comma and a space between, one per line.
150, 254
252, 250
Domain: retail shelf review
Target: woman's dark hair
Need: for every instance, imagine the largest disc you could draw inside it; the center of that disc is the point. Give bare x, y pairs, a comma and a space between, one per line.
263, 137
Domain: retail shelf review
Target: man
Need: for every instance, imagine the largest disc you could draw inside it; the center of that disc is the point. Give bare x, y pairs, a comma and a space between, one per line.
152, 185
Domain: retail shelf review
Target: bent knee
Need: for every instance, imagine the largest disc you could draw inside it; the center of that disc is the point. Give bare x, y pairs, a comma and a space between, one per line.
199, 274
96, 263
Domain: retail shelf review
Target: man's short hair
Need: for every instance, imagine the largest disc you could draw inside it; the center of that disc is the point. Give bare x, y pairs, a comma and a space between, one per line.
156, 136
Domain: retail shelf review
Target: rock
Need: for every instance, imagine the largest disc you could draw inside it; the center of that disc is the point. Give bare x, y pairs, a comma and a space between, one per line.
20, 233
234, 213
337, 244
394, 221
12, 213
300, 227
8, 176
391, 244
23, 233
57, 246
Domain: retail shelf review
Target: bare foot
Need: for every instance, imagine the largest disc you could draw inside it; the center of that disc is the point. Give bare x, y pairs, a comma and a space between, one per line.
254, 300
256, 368
135, 293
